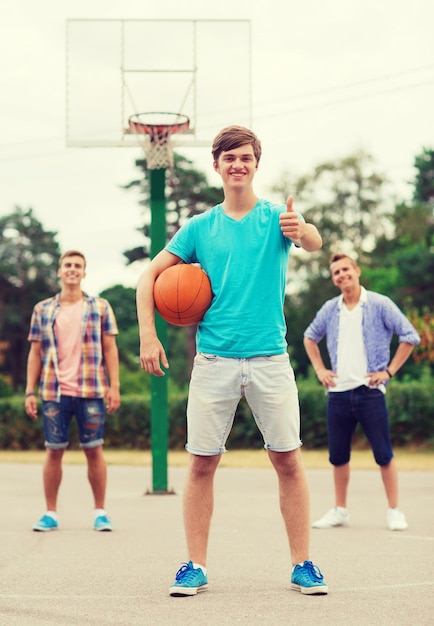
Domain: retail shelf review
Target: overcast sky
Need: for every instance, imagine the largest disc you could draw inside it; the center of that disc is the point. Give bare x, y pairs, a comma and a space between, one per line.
329, 78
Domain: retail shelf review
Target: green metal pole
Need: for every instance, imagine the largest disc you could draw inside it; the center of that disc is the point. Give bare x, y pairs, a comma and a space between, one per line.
159, 402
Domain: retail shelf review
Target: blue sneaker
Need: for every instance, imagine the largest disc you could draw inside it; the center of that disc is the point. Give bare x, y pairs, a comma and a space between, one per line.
189, 581
308, 579
102, 522
46, 523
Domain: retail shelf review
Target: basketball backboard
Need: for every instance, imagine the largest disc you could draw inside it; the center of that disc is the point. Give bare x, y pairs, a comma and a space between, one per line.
116, 68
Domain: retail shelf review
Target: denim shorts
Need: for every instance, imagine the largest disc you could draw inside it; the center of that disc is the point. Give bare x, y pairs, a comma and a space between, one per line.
216, 388
90, 416
361, 405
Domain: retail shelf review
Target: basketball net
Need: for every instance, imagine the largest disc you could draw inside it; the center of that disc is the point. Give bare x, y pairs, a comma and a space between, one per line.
154, 132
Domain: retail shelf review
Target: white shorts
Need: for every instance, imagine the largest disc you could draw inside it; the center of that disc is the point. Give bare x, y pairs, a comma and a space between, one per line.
216, 387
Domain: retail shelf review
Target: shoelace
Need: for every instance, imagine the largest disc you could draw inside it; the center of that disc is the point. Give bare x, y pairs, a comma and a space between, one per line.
185, 573
313, 570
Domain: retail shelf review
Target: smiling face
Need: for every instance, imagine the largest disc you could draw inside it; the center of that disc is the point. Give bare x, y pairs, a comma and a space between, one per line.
237, 167
345, 274
71, 270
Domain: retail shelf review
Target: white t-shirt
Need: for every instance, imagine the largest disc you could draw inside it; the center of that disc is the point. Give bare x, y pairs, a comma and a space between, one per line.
352, 361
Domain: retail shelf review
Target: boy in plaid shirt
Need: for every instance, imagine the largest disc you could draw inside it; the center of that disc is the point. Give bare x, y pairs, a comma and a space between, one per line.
72, 352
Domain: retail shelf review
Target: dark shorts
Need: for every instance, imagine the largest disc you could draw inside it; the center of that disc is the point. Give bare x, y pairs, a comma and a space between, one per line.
361, 405
90, 416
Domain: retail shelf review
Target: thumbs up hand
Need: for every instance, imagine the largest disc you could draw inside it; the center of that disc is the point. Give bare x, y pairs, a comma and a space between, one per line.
290, 224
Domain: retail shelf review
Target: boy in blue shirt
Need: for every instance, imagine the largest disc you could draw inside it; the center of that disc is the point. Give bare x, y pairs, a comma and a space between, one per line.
358, 326
243, 245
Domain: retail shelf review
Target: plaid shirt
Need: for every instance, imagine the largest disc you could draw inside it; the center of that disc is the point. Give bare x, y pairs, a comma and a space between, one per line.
98, 319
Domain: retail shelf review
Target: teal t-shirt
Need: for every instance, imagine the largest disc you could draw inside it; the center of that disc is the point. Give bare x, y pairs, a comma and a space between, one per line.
246, 261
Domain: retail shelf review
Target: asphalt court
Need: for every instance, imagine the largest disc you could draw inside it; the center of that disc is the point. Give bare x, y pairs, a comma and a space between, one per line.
76, 576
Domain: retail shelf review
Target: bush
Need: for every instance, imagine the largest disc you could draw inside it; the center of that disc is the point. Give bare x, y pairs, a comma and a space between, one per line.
411, 406
6, 390
17, 430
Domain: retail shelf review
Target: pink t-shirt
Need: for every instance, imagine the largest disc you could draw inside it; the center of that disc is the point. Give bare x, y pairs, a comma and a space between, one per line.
67, 329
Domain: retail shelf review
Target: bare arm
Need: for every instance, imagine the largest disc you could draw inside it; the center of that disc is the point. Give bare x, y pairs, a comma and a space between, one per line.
402, 353
152, 353
34, 365
304, 235
325, 376
111, 360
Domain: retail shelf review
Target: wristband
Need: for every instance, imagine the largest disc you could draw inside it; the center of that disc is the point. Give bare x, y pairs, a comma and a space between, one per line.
31, 393
388, 372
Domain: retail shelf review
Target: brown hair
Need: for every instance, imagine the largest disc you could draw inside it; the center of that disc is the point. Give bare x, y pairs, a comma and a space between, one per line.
72, 253
338, 256
233, 137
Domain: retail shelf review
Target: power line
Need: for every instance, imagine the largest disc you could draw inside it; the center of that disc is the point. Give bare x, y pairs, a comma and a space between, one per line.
359, 83
321, 105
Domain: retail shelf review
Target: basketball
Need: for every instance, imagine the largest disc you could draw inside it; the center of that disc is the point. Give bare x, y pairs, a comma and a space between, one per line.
182, 294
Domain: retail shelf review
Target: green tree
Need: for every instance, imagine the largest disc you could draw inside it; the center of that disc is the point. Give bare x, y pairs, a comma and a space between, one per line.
29, 258
402, 263
424, 180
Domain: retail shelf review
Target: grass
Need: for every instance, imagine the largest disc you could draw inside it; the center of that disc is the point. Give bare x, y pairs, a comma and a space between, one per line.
407, 459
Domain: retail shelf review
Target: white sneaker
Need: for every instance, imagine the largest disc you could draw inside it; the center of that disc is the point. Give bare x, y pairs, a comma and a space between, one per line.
396, 520
334, 517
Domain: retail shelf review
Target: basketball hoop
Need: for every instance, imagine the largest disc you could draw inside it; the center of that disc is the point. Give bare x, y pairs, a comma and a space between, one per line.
154, 131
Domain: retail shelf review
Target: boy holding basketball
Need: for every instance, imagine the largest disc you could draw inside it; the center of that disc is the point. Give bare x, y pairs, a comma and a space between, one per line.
241, 350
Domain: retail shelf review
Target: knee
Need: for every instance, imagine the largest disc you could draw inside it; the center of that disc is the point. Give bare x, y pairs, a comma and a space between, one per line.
203, 466
287, 463
54, 455
93, 454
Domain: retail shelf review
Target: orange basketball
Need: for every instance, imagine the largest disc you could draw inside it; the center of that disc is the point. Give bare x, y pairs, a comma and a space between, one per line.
182, 294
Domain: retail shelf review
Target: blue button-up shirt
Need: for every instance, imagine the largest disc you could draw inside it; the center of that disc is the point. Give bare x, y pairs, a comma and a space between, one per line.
381, 319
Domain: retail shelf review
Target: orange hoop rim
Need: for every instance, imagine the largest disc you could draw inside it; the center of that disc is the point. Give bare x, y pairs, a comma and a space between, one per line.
138, 125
